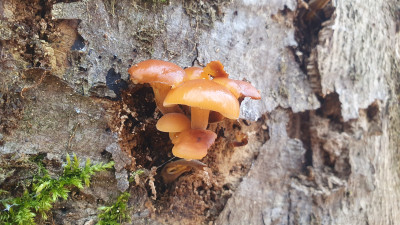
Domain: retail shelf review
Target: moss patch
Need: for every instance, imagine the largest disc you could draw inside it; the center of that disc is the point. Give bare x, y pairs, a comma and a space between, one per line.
38, 197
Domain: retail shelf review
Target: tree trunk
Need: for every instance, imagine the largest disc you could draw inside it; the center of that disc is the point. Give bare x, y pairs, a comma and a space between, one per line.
322, 143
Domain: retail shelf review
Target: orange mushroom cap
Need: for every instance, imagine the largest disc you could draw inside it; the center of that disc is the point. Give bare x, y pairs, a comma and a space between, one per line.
161, 75
173, 122
193, 144
239, 88
159, 71
215, 69
193, 73
204, 94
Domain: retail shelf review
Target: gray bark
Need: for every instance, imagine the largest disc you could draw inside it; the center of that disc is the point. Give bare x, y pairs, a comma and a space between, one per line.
308, 161
357, 59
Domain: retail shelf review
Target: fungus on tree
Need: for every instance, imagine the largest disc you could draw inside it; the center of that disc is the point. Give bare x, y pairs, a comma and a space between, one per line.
202, 96
240, 89
194, 73
173, 123
161, 76
193, 143
215, 69
209, 93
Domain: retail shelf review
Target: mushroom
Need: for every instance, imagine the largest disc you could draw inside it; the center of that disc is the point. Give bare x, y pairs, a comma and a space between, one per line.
193, 143
202, 96
215, 69
173, 123
240, 89
161, 76
188, 144
194, 73
173, 170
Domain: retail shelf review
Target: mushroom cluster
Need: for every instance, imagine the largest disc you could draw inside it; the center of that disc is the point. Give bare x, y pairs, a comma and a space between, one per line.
208, 92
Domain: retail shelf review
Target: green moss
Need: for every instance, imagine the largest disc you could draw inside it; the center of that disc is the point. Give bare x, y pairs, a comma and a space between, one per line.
38, 198
119, 211
133, 174
116, 213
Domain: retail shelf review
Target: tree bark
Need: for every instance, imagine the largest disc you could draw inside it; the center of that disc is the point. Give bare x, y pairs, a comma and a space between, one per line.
322, 142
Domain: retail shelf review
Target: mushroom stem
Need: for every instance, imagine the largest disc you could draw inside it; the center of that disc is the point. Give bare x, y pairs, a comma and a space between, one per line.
160, 91
199, 118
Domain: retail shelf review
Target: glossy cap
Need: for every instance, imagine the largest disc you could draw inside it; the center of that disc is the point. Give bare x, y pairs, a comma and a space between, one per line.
239, 88
193, 73
173, 122
205, 94
193, 144
215, 69
159, 71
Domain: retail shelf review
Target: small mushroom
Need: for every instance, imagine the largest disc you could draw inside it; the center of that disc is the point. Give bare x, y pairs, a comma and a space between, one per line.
215, 69
173, 170
173, 123
161, 76
193, 144
202, 96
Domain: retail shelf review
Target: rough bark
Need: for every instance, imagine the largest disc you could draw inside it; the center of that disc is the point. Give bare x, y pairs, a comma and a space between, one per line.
324, 148
353, 176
